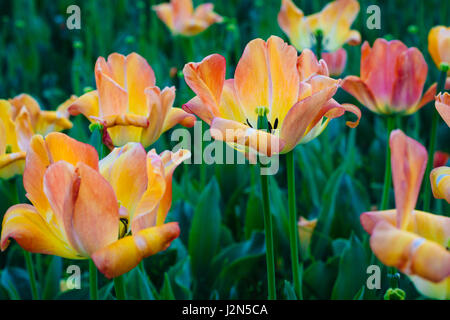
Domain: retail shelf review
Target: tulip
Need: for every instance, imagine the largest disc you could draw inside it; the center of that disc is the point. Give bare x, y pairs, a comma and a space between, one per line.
440, 159
443, 106
294, 92
179, 16
439, 45
413, 241
305, 230
440, 183
21, 118
392, 78
128, 103
112, 211
333, 22
336, 61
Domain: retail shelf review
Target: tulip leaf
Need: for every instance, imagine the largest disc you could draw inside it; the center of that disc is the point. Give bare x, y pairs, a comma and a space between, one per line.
205, 230
321, 235
166, 290
289, 291
180, 279
253, 218
352, 270
138, 285
319, 277
52, 278
16, 282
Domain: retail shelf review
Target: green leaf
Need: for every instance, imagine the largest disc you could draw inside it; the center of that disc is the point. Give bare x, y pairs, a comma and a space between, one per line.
52, 279
180, 279
321, 235
352, 271
138, 285
254, 220
166, 290
237, 261
205, 230
289, 291
319, 277
16, 282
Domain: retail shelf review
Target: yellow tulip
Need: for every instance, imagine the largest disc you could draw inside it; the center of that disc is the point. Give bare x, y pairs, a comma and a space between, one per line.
179, 16
333, 21
439, 45
21, 118
112, 211
128, 103
440, 183
413, 241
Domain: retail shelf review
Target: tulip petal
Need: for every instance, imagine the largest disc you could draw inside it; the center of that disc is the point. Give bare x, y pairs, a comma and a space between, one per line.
308, 65
87, 105
357, 88
443, 106
27, 101
252, 140
63, 147
24, 129
292, 22
145, 215
284, 78
229, 104
410, 253
9, 136
113, 99
125, 254
371, 218
182, 11
125, 170
139, 76
440, 183
305, 114
336, 61
411, 76
178, 116
25, 225
96, 211
251, 79
408, 160
206, 79
440, 290
197, 107
12, 164
164, 12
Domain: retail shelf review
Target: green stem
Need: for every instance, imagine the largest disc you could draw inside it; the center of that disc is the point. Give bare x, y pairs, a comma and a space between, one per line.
387, 172
270, 259
319, 39
432, 146
293, 231
119, 288
93, 283
30, 268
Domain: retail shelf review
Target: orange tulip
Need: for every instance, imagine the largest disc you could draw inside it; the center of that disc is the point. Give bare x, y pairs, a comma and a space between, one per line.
336, 61
442, 104
128, 103
440, 183
392, 78
439, 45
295, 92
112, 211
413, 241
21, 118
179, 16
305, 231
333, 21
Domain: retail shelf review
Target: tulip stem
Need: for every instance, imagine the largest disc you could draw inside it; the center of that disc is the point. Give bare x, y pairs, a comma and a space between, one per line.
293, 231
387, 173
270, 260
432, 144
93, 284
30, 268
119, 288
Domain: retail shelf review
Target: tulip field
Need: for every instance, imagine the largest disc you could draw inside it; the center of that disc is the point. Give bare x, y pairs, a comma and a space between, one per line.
225, 150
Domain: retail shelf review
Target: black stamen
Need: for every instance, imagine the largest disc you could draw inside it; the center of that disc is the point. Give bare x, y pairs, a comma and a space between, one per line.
249, 123
270, 126
275, 125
